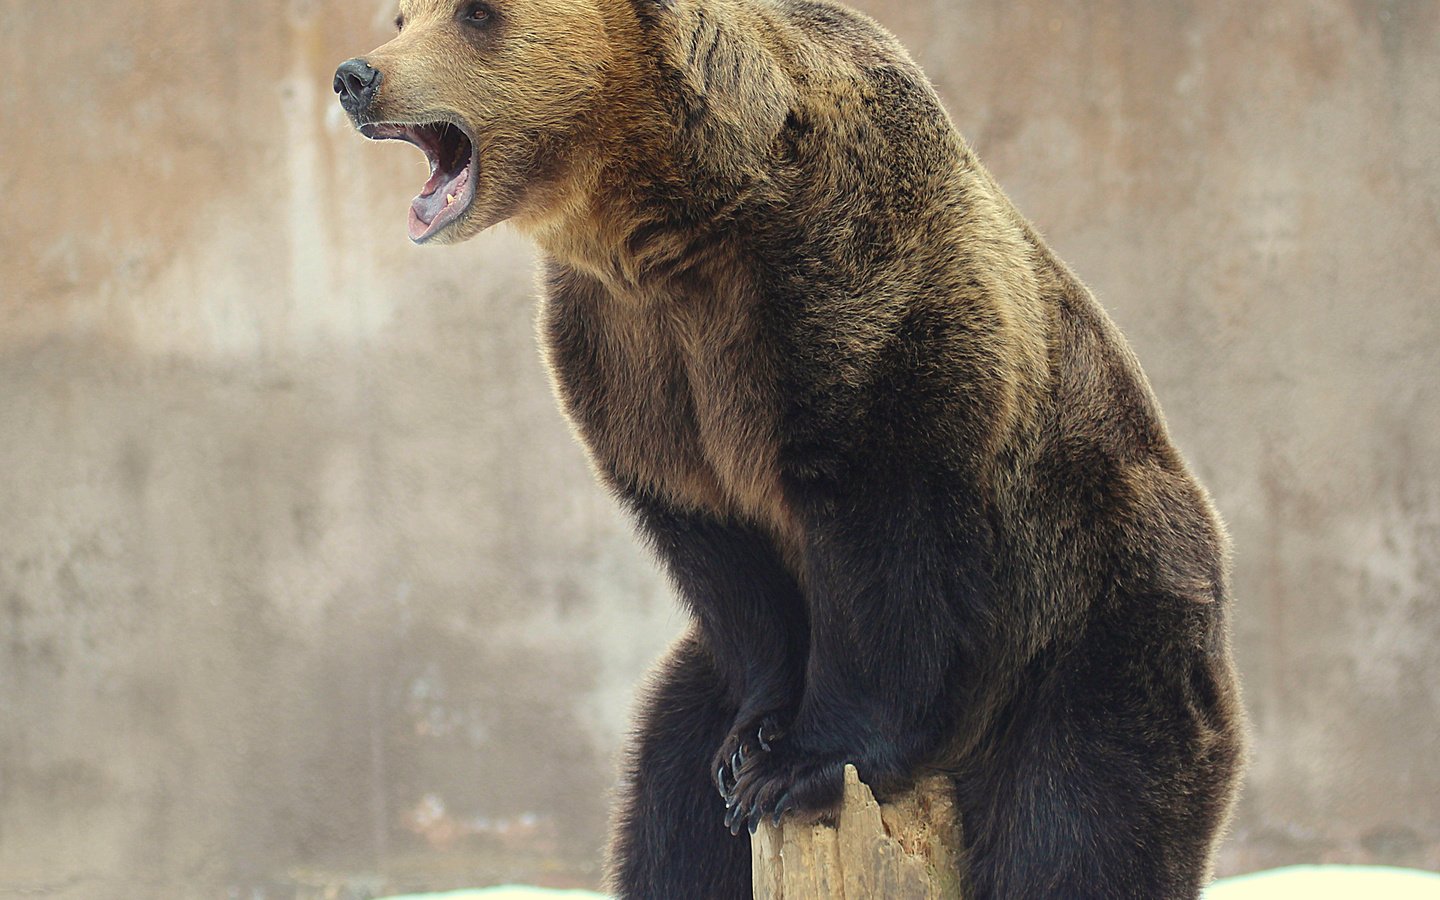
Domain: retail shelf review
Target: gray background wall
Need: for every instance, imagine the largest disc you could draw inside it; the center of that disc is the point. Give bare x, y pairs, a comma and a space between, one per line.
304, 585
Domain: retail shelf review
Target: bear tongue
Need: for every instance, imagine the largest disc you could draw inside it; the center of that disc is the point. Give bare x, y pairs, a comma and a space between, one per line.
427, 206
439, 192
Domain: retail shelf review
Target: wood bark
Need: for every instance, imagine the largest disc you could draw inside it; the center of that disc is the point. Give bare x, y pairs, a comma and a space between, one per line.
908, 849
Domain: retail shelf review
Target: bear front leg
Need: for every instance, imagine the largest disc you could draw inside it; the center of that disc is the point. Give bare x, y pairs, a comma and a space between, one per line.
749, 608
897, 591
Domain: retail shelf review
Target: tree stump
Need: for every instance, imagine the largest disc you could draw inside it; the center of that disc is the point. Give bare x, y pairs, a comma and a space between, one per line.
908, 849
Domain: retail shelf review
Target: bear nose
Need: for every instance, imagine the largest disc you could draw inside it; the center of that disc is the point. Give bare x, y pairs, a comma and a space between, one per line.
356, 83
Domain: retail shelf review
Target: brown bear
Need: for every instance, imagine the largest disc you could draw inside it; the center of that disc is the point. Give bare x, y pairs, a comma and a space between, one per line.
905, 474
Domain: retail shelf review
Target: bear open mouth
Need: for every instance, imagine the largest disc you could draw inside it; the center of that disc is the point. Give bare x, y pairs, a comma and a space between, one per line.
451, 187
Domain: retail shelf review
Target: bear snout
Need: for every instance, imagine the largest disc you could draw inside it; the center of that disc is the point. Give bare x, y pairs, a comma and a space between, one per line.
356, 81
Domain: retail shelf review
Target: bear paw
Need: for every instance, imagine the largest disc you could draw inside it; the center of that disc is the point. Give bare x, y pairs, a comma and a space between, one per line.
772, 784
750, 736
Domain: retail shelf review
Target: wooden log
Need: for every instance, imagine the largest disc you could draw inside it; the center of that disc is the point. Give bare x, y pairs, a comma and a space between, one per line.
908, 849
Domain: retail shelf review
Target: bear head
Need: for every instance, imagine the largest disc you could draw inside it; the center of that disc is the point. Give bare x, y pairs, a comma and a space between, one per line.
497, 93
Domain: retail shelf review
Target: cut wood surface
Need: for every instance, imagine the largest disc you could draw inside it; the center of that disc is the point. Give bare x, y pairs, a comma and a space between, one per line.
908, 849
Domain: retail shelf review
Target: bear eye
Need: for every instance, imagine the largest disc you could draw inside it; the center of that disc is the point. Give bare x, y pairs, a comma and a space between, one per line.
477, 14
400, 22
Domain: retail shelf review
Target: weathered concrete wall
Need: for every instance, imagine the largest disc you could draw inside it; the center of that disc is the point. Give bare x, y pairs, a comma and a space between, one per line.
303, 582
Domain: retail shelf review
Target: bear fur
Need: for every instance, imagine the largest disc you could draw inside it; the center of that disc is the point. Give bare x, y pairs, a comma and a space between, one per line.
908, 479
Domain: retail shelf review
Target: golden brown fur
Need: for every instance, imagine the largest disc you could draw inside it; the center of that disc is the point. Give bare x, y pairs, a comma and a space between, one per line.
906, 475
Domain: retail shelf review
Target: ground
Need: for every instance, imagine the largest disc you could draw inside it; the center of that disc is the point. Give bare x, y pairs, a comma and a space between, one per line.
1292, 883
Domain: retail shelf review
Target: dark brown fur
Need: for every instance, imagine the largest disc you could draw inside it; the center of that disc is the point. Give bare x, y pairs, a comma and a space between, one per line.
906, 475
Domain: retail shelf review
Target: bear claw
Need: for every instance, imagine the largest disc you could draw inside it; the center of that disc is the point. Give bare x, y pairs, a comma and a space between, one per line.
770, 726
742, 747
774, 784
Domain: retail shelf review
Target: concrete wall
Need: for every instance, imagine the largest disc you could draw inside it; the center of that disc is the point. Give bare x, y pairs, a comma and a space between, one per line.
304, 585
